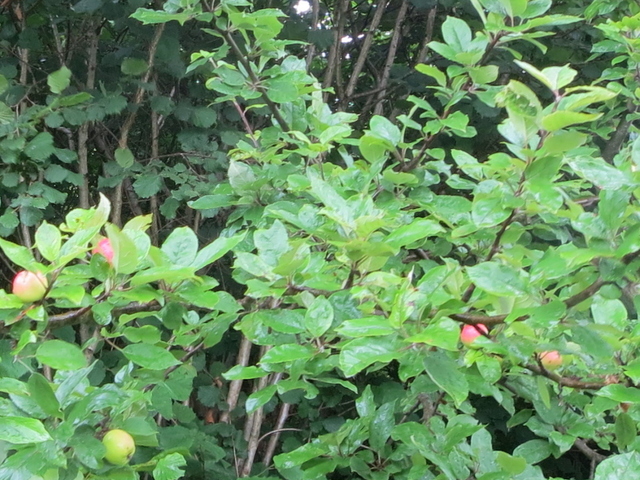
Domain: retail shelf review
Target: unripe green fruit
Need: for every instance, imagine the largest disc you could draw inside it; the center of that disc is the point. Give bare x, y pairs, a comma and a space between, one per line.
120, 447
29, 286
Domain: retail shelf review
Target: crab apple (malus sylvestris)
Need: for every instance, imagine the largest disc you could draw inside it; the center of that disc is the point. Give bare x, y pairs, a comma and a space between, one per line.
120, 446
105, 249
550, 359
470, 332
29, 286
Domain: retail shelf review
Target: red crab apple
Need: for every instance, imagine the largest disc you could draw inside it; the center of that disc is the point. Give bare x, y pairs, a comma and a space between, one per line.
550, 359
470, 332
119, 445
105, 249
29, 286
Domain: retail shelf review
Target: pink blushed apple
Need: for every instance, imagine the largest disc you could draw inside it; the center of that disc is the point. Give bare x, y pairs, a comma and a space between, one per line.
470, 332
550, 359
105, 249
30, 286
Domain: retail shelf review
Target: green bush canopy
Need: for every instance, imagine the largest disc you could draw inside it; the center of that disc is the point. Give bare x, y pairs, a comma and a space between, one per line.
253, 233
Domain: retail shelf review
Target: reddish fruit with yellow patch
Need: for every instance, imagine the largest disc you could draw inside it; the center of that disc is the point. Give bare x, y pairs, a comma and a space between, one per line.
551, 359
29, 286
470, 332
105, 249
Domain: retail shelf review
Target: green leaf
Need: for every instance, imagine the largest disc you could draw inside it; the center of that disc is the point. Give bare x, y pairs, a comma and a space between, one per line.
358, 354
150, 17
533, 451
59, 80
124, 157
40, 147
564, 118
365, 404
433, 72
216, 250
134, 66
241, 177
125, 253
208, 202
22, 430
170, 467
625, 430
259, 398
510, 464
445, 373
373, 149
287, 353
620, 393
272, 243
181, 246
244, 373
382, 128
281, 90
374, 326
48, 241
418, 229
41, 392
18, 254
618, 467
382, 425
497, 279
145, 334
319, 317
146, 186
150, 356
543, 391
599, 172
61, 355
301, 455
456, 34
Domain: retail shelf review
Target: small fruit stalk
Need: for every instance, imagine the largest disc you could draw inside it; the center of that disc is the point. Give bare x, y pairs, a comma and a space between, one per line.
470, 332
119, 445
30, 286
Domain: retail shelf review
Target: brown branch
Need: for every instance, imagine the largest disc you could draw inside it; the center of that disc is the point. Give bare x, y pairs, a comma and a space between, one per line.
123, 142
283, 414
334, 52
315, 13
489, 320
236, 385
153, 201
589, 452
391, 55
424, 49
256, 426
617, 139
83, 131
364, 51
567, 381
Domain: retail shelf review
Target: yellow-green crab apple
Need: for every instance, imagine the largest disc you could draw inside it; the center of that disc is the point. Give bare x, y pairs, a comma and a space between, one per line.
470, 332
29, 286
119, 445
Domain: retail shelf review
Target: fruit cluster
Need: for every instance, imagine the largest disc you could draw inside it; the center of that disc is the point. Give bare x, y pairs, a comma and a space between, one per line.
550, 359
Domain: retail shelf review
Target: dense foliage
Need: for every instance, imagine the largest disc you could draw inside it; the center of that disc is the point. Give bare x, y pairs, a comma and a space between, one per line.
305, 206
